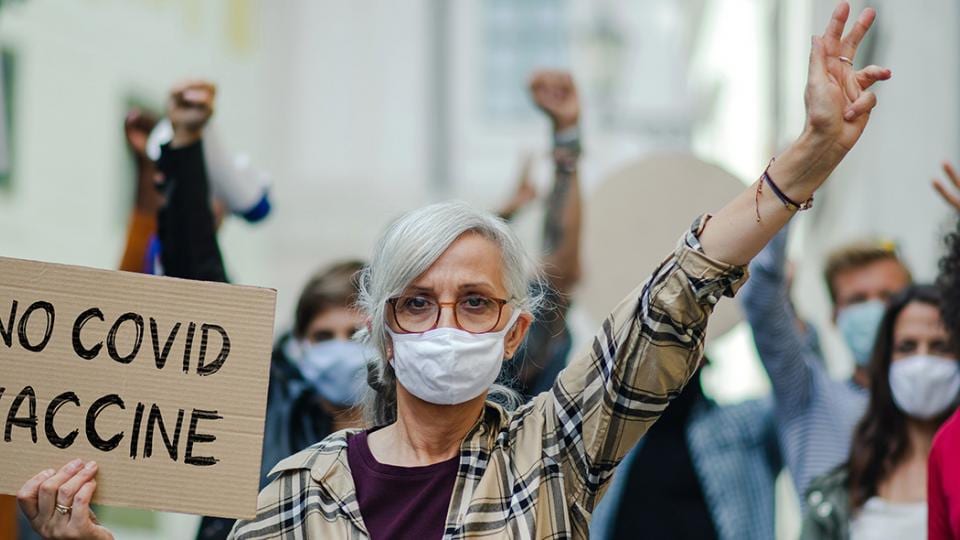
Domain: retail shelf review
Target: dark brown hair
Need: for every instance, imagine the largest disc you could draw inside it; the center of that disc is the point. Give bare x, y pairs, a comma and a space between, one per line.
949, 283
855, 256
880, 440
334, 286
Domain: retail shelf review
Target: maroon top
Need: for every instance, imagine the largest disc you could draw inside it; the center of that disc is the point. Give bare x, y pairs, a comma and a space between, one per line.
400, 502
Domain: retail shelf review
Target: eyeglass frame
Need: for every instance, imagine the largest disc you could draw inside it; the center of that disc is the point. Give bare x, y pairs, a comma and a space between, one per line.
453, 305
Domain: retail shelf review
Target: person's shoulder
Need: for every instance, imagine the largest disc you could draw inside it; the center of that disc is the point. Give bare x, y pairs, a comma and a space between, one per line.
317, 456
949, 433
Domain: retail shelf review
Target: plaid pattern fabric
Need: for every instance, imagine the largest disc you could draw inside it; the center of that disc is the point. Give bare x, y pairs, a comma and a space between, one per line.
539, 471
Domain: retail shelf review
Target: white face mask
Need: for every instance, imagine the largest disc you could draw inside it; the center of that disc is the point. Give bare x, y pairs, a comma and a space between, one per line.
924, 386
447, 366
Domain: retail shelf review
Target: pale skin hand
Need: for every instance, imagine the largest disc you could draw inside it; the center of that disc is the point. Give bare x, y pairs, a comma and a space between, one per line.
949, 194
189, 108
556, 95
838, 105
73, 485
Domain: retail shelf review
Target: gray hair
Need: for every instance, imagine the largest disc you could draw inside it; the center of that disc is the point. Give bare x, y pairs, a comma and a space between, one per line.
408, 247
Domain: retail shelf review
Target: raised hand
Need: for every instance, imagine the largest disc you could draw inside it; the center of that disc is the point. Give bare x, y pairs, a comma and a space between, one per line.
189, 108
837, 98
137, 127
555, 94
525, 191
946, 193
57, 503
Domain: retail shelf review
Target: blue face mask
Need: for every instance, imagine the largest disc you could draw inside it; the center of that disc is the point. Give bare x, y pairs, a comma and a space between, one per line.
859, 324
337, 369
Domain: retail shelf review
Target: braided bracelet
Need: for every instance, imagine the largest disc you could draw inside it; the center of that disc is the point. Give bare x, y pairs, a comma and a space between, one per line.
788, 203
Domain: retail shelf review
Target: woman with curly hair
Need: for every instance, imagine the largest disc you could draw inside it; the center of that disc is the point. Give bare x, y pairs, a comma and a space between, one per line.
914, 384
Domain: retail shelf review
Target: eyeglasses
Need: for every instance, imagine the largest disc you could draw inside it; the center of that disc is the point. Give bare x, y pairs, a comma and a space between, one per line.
474, 313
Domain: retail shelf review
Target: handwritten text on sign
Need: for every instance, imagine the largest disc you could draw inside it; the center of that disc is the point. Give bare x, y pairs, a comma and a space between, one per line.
162, 381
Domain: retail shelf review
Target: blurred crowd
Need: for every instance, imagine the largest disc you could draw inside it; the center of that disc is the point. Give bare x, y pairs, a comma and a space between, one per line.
874, 455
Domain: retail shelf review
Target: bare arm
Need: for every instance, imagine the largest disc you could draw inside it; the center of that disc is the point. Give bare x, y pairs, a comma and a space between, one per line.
838, 108
555, 93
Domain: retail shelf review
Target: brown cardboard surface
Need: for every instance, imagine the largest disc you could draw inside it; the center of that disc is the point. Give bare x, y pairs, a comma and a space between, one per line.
127, 477
635, 218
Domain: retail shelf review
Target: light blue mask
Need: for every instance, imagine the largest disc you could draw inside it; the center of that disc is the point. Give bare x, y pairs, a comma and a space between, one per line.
858, 324
337, 369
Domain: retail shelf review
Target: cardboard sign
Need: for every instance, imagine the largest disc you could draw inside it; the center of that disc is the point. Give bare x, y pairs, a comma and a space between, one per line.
162, 381
636, 216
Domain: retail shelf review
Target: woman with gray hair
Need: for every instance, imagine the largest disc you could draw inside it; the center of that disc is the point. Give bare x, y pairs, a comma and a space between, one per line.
447, 301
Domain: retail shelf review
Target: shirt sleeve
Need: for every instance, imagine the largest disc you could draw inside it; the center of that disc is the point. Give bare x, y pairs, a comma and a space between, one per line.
645, 352
787, 357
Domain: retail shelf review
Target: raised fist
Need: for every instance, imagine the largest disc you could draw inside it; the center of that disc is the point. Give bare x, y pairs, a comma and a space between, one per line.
555, 93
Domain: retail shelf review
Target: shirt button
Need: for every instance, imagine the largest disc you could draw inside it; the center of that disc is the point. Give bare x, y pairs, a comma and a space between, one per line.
713, 299
815, 498
824, 509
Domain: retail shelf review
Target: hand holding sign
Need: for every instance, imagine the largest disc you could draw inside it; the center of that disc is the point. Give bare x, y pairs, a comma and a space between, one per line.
58, 503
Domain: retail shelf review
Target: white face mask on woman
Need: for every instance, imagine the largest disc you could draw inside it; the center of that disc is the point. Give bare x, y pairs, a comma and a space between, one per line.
447, 366
925, 386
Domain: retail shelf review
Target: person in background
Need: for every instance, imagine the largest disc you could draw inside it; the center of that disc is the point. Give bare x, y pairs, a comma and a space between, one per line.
816, 414
914, 373
716, 466
142, 226
227, 182
446, 300
943, 480
545, 350
317, 374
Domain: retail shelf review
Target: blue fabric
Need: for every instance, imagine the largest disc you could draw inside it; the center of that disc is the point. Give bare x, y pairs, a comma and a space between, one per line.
815, 414
259, 210
736, 456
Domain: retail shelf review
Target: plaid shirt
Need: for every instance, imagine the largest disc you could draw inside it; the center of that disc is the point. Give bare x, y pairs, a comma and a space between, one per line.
539, 471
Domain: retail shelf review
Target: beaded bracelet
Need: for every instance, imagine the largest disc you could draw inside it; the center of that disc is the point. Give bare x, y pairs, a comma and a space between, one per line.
788, 203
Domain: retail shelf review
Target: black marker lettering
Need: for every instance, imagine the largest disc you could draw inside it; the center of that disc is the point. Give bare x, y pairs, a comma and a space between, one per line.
29, 421
7, 333
54, 406
112, 338
156, 418
188, 346
135, 436
22, 327
78, 348
214, 366
158, 356
98, 442
194, 437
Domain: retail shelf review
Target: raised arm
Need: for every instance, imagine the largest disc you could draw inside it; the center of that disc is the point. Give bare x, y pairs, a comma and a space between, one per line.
838, 105
648, 348
556, 95
186, 225
786, 355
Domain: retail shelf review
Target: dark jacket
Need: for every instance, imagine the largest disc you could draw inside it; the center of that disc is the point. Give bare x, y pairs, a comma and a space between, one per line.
294, 421
828, 508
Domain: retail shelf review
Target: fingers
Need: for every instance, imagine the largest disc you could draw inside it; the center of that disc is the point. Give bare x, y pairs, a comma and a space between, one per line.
834, 31
818, 61
81, 517
864, 103
871, 74
945, 193
27, 497
855, 36
48, 489
951, 174
69, 489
